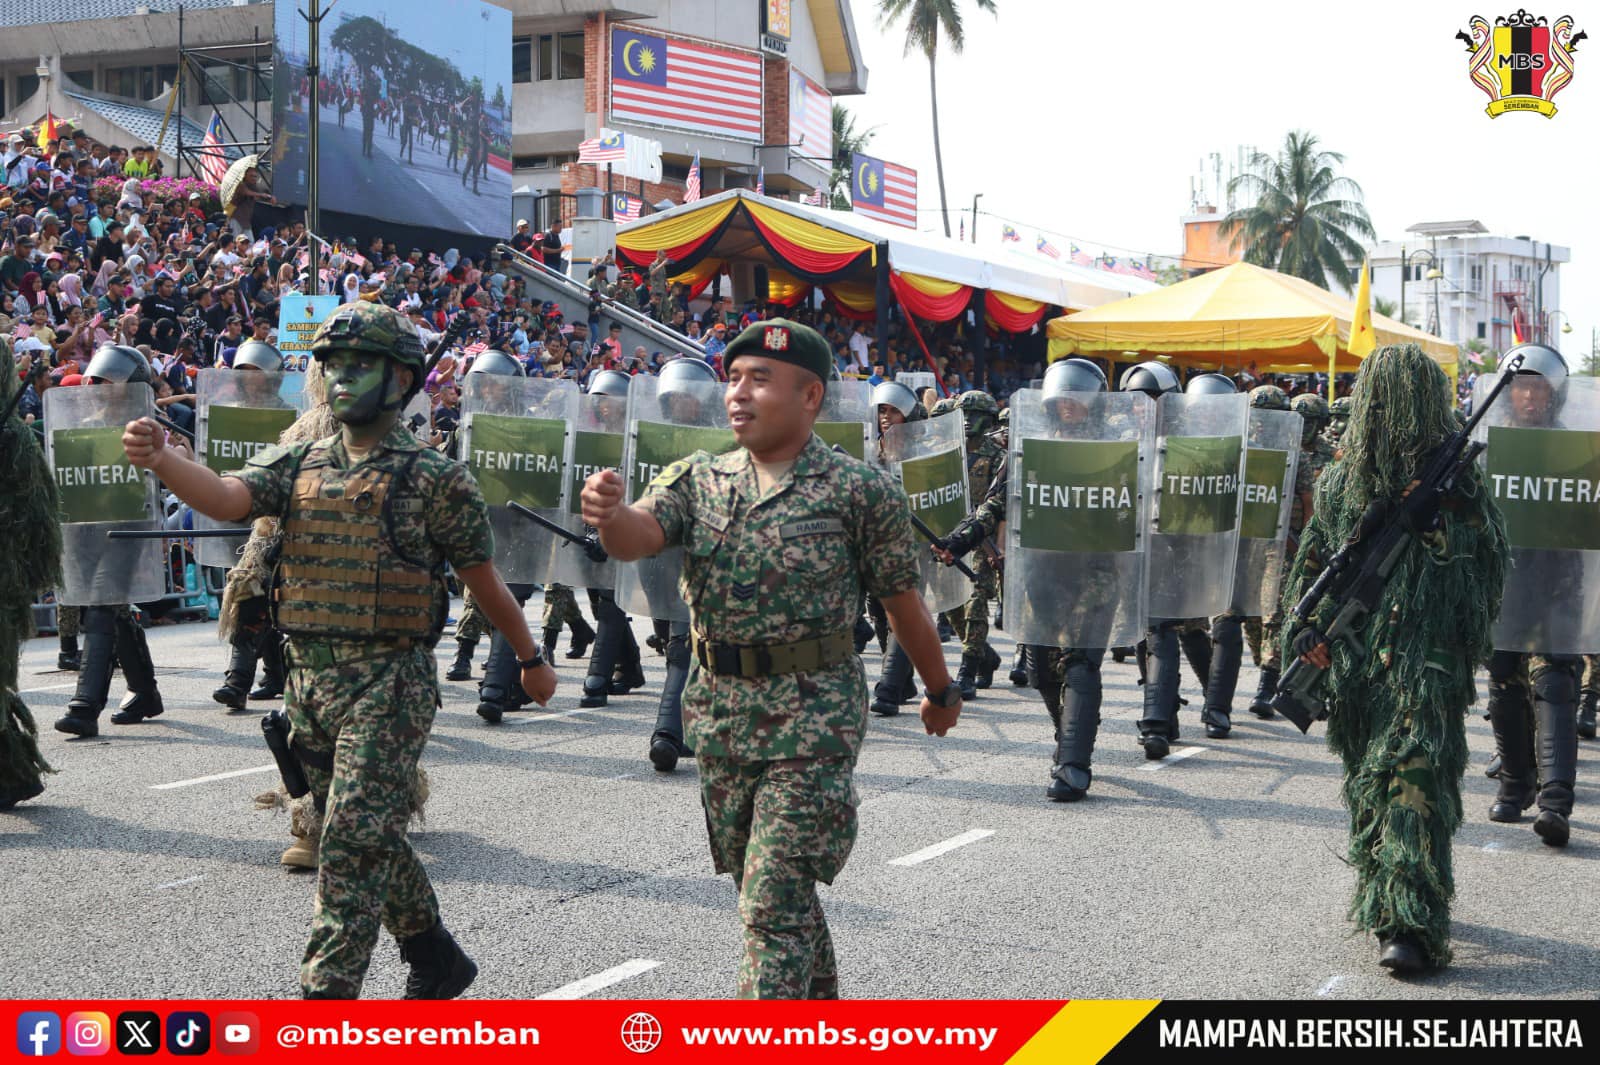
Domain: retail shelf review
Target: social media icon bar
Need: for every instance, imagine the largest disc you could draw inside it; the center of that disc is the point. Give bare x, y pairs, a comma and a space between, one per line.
188, 1034
88, 1034
138, 1032
240, 1033
38, 1034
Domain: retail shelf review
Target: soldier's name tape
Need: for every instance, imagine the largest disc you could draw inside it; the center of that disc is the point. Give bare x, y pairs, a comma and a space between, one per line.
1201, 484
75, 476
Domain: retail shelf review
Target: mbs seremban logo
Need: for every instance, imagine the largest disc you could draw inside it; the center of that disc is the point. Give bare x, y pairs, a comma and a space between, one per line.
1521, 62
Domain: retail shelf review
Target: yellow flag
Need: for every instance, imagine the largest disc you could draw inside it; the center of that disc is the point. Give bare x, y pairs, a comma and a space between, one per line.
1363, 341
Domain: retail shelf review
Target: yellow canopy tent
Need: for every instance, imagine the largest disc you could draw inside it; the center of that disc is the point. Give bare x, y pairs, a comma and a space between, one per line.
1230, 318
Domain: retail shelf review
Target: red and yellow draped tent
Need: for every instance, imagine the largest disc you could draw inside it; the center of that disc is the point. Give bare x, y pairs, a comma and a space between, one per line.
861, 264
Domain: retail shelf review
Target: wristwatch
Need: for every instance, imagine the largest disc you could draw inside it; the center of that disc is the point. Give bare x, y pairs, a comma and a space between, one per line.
532, 663
948, 699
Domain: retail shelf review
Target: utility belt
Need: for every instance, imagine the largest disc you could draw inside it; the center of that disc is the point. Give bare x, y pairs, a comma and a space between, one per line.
765, 660
312, 653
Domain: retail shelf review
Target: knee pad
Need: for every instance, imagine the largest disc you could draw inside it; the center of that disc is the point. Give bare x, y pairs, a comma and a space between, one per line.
1556, 682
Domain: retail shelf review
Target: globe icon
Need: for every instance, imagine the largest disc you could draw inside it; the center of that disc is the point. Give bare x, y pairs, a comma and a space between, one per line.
641, 1033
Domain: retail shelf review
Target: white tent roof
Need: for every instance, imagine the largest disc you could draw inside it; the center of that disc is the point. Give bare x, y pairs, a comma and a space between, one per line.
1003, 270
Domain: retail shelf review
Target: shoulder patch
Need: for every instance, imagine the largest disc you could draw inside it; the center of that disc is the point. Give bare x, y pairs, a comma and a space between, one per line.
671, 475
270, 456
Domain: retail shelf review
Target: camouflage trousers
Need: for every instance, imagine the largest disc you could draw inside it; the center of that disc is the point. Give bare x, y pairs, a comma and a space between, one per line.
68, 621
561, 608
1591, 674
971, 621
1261, 634
779, 827
360, 725
473, 625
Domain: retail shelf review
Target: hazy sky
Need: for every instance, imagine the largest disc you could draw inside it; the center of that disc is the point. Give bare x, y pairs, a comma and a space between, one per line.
1089, 120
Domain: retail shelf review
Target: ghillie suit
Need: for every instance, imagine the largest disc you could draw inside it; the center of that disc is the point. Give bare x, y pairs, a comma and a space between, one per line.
1396, 715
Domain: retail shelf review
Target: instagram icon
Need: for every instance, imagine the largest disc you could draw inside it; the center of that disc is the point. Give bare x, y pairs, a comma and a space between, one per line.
88, 1034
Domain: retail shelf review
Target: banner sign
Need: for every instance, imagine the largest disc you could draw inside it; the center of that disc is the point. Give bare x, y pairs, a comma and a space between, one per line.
1199, 490
517, 459
1547, 482
1080, 495
298, 318
936, 487
95, 479
235, 434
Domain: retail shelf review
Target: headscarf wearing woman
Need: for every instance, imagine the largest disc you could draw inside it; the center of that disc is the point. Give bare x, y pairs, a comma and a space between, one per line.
30, 292
102, 278
71, 290
137, 276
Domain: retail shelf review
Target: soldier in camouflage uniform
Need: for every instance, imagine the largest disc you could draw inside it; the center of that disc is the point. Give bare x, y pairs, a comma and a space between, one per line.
971, 622
896, 404
1591, 697
471, 627
1338, 418
370, 518
67, 632
1315, 454
779, 537
561, 608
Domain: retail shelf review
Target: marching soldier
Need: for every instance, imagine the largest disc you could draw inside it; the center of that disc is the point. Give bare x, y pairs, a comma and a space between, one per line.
1338, 419
971, 622
780, 536
370, 518
896, 404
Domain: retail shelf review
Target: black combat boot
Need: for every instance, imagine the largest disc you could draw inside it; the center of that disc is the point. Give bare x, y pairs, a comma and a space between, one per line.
612, 627
582, 637
552, 635
240, 674
946, 633
68, 660
461, 668
1227, 640
660, 632
1159, 725
862, 633
440, 969
1555, 710
143, 700
1019, 667
499, 689
666, 742
1080, 724
1261, 705
888, 693
274, 677
988, 662
1402, 954
967, 676
1508, 716
94, 673
1586, 713
629, 676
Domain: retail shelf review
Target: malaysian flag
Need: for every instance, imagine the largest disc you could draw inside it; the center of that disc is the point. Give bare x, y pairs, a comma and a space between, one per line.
1141, 268
1118, 266
475, 349
1009, 235
1081, 257
691, 186
213, 161
670, 81
626, 207
609, 147
883, 190
761, 182
810, 116
1046, 247
815, 199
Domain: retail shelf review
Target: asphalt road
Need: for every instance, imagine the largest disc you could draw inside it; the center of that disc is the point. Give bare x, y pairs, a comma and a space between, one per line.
561, 857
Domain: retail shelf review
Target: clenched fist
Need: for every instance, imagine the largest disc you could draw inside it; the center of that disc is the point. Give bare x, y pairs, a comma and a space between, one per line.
602, 498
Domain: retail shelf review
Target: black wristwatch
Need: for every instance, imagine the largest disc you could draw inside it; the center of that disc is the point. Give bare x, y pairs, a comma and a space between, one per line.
532, 663
948, 699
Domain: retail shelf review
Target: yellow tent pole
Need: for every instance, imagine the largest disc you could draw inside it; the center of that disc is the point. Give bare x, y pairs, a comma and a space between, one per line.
172, 98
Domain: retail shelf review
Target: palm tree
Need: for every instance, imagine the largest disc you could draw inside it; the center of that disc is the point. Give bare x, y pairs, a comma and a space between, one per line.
924, 20
1306, 218
847, 141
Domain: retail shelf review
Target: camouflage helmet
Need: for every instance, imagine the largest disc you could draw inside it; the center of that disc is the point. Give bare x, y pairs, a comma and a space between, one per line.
944, 406
497, 363
979, 409
613, 383
118, 364
365, 326
1269, 397
1339, 409
1210, 384
1311, 407
258, 355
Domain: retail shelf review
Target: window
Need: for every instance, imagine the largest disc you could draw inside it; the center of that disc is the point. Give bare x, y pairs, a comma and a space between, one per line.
27, 85
1477, 273
547, 57
140, 83
1483, 330
570, 47
671, 173
84, 78
521, 60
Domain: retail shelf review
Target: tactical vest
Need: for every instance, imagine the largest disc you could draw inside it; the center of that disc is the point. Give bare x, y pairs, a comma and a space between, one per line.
341, 574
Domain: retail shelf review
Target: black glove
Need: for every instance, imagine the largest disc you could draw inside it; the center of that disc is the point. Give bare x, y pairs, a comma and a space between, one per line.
592, 548
1307, 640
963, 539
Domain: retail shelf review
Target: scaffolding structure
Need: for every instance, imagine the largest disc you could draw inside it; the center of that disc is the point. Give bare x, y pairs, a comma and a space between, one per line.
254, 58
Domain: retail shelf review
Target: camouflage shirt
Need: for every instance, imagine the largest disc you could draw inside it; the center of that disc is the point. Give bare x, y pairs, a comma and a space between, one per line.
437, 512
983, 462
778, 568
1313, 458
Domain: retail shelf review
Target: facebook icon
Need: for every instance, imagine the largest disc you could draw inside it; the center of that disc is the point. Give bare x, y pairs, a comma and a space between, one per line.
38, 1034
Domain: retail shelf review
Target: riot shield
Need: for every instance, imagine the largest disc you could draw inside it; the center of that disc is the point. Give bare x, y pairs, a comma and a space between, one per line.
1543, 469
1194, 520
1271, 456
848, 419
929, 459
101, 491
1079, 488
661, 430
237, 413
513, 438
597, 437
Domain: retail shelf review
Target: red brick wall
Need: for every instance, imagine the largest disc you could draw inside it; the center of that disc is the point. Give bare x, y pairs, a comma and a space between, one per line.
575, 176
593, 51
775, 122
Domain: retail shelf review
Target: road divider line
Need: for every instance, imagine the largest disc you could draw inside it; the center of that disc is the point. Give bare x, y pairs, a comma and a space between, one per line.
1176, 756
1330, 985
214, 776
599, 981
550, 716
929, 853
180, 883
48, 688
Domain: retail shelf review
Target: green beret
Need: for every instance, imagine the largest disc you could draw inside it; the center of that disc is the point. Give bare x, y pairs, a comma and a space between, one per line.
783, 341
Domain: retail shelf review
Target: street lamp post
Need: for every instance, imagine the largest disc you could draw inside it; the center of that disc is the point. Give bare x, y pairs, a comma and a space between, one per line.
1433, 274
975, 198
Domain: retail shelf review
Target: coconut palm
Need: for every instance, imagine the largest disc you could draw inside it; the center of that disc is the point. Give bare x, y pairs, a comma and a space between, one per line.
847, 141
924, 20
1305, 219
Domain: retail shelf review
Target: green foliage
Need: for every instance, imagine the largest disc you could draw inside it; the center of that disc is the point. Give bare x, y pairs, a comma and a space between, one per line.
1305, 219
847, 141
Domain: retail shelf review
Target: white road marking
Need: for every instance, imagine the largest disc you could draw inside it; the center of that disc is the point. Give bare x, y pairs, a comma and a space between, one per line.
930, 853
1330, 985
48, 688
180, 883
1494, 845
1176, 756
550, 716
214, 776
590, 984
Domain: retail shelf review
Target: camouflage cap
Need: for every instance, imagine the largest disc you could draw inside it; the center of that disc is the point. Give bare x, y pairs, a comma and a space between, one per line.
976, 402
1269, 397
1311, 406
1339, 409
365, 326
945, 405
783, 341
